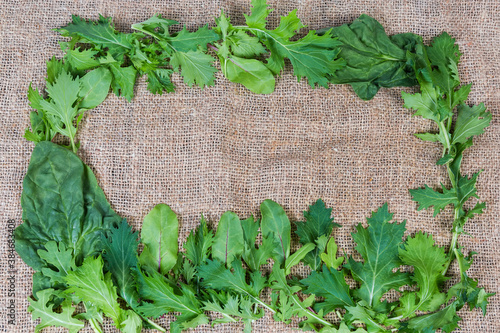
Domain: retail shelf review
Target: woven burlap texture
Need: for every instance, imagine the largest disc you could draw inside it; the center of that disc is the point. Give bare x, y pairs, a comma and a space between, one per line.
225, 148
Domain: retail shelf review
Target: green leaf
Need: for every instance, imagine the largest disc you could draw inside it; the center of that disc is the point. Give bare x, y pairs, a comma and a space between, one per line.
331, 285
216, 276
445, 319
470, 121
378, 244
120, 256
297, 256
428, 261
100, 33
81, 60
123, 80
442, 53
252, 256
90, 284
276, 227
159, 234
288, 303
195, 66
318, 225
251, 73
427, 197
425, 103
60, 258
466, 188
185, 41
374, 60
94, 87
164, 297
159, 81
61, 109
259, 13
365, 316
198, 243
61, 202
429, 137
133, 323
228, 240
40, 309
330, 258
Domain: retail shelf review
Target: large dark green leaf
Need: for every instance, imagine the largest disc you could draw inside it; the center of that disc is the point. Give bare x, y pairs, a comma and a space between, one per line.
61, 202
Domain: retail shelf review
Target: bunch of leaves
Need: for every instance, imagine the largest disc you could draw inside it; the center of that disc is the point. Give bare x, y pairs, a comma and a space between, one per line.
67, 225
243, 47
383, 251
373, 59
69, 94
436, 68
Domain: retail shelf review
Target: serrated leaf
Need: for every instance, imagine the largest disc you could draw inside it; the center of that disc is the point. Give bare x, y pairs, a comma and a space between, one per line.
159, 81
156, 25
330, 284
428, 261
198, 243
123, 80
466, 188
120, 256
228, 241
101, 33
60, 258
318, 223
185, 41
378, 244
365, 316
41, 309
330, 258
442, 53
427, 197
133, 323
259, 13
195, 67
446, 319
94, 87
276, 228
470, 121
159, 234
82, 59
90, 284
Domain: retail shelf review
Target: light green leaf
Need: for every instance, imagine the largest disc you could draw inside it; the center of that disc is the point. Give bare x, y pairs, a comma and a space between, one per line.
94, 87
330, 258
470, 121
297, 256
427, 197
228, 240
159, 234
195, 67
123, 80
276, 227
251, 73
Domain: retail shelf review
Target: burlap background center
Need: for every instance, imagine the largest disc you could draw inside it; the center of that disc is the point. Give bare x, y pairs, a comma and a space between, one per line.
225, 148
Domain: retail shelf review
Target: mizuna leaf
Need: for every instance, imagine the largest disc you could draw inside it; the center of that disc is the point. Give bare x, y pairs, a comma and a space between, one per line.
331, 285
428, 261
427, 197
89, 284
159, 235
198, 243
120, 256
442, 53
60, 258
378, 245
446, 319
276, 227
159, 81
228, 240
94, 87
40, 309
123, 80
195, 67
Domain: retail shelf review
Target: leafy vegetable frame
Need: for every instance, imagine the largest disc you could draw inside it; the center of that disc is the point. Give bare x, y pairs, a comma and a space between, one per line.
83, 252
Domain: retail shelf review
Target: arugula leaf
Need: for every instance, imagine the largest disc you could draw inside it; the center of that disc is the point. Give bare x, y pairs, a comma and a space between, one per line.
216, 276
120, 256
331, 285
428, 261
228, 240
378, 244
255, 257
287, 302
61, 202
90, 284
318, 223
41, 309
276, 228
159, 234
427, 197
374, 60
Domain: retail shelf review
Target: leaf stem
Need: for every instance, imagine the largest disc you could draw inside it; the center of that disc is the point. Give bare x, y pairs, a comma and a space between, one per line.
155, 325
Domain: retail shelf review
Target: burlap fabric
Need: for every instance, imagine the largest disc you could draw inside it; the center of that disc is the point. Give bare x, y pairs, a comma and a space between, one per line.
224, 148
